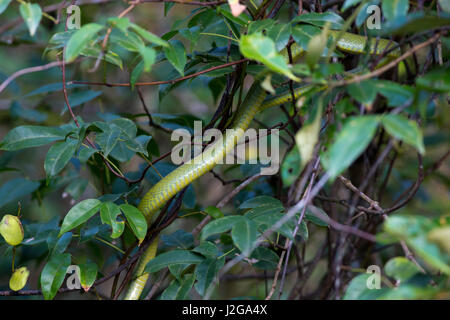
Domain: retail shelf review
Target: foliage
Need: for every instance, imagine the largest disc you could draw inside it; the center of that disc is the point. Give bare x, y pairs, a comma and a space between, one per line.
79, 148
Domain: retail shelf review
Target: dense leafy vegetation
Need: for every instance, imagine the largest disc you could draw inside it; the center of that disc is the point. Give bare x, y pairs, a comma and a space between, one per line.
86, 116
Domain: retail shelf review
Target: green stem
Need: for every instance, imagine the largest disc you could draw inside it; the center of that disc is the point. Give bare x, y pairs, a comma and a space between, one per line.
109, 244
219, 35
13, 258
226, 253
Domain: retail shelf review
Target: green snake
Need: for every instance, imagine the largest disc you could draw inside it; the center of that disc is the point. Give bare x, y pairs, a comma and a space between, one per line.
254, 103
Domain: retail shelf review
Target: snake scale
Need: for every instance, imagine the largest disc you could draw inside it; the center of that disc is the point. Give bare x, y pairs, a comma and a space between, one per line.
254, 103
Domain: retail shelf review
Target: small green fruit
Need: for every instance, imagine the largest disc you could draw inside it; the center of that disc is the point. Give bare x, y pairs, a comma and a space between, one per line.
19, 279
11, 229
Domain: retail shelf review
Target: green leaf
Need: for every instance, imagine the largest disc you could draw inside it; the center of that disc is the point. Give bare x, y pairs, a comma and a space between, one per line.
303, 230
291, 167
267, 217
179, 290
173, 257
400, 268
280, 34
17, 111
185, 287
414, 230
88, 274
241, 20
108, 139
320, 19
53, 274
179, 238
30, 136
136, 220
62, 243
147, 35
177, 270
260, 26
265, 212
149, 56
120, 23
351, 141
51, 87
86, 153
214, 212
404, 129
108, 213
396, 94
394, 9
4, 4
302, 34
58, 156
357, 287
32, 14
415, 22
78, 98
309, 216
206, 272
262, 49
191, 34
244, 234
16, 189
315, 50
437, 80
207, 249
79, 214
364, 92
109, 56
445, 5
349, 3
176, 54
128, 144
308, 136
220, 225
80, 39
267, 259
136, 73
261, 201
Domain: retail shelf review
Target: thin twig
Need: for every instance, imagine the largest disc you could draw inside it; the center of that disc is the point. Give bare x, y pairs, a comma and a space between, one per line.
154, 83
388, 66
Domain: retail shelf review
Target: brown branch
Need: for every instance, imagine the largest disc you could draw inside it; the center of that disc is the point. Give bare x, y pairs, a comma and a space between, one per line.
342, 227
277, 272
388, 66
28, 70
147, 112
350, 186
154, 83
63, 67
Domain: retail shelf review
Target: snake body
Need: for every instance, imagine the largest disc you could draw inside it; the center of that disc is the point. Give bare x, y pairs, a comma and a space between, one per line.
254, 103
